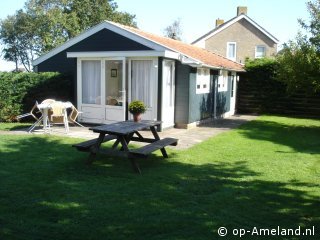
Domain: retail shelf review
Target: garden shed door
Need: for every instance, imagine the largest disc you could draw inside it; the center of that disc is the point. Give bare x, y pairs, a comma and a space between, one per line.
168, 93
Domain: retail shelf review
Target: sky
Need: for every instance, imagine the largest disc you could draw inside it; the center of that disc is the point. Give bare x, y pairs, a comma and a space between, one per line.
279, 17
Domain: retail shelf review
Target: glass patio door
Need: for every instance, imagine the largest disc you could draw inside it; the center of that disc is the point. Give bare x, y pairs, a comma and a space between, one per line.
89, 89
115, 94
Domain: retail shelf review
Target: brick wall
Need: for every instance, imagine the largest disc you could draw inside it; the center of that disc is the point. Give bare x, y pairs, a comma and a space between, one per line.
247, 38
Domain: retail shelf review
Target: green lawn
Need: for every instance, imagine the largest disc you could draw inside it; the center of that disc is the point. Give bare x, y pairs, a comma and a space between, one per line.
264, 174
13, 126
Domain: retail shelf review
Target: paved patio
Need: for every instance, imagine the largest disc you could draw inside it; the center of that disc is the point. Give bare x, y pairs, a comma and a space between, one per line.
187, 137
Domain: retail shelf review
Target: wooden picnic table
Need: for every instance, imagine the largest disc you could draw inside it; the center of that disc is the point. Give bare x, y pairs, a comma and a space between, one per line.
123, 133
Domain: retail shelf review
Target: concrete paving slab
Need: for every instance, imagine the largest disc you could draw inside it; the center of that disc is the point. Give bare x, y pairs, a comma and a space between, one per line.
187, 137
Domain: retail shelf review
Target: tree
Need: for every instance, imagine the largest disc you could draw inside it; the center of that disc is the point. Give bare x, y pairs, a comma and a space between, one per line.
45, 24
299, 60
16, 33
174, 30
299, 66
313, 27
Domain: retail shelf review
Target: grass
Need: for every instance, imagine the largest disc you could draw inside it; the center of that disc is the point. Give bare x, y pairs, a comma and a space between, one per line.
13, 126
264, 174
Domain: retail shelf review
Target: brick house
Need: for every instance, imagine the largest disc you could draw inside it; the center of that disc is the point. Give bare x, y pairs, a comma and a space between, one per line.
239, 38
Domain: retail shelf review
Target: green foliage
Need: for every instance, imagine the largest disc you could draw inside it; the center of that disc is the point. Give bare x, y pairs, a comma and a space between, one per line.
19, 91
45, 24
299, 60
137, 107
299, 66
17, 35
261, 68
260, 80
313, 27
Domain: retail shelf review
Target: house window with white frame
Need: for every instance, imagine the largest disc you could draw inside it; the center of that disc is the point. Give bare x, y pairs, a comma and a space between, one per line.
203, 81
260, 51
232, 51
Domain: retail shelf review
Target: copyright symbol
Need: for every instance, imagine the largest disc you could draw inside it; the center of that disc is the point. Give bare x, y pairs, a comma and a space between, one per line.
222, 231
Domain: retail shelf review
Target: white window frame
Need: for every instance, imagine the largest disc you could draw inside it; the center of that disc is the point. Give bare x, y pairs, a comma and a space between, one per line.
235, 51
79, 81
256, 51
203, 81
223, 82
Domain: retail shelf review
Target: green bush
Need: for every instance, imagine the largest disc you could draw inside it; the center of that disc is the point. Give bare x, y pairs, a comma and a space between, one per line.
137, 107
261, 91
19, 91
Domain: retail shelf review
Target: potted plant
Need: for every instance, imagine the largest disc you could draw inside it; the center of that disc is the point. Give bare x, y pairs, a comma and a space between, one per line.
136, 108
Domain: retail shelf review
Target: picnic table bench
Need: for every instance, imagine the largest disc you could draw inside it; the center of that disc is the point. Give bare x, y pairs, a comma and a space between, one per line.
85, 146
123, 133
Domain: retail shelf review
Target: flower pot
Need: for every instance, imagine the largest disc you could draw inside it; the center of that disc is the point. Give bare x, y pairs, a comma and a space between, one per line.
137, 117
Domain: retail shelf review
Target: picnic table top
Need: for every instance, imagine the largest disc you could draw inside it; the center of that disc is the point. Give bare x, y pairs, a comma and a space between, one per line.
125, 127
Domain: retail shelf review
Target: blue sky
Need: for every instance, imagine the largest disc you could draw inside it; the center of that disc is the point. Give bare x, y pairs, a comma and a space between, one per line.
279, 17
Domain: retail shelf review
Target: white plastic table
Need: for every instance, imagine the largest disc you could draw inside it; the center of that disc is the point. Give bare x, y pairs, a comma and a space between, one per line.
44, 108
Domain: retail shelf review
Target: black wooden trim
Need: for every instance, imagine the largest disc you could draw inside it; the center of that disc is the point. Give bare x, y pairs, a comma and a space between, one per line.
85, 146
160, 144
159, 108
145, 140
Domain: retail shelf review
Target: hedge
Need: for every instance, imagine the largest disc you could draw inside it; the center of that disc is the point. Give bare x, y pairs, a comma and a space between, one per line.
20, 91
259, 91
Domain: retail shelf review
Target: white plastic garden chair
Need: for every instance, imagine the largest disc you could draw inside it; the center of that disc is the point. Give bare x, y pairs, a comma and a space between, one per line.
72, 118
35, 109
59, 114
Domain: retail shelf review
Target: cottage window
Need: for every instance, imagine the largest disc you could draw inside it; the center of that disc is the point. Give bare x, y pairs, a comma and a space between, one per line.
223, 82
91, 82
231, 50
203, 81
260, 51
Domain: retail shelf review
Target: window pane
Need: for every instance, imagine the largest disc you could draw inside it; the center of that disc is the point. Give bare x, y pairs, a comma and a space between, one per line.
231, 50
168, 87
260, 51
203, 81
114, 82
91, 82
141, 77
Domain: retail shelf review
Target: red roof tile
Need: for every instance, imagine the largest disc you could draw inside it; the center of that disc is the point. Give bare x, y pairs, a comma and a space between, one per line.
206, 57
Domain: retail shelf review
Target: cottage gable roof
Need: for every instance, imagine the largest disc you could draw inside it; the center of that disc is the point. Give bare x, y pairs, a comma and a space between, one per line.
186, 53
229, 23
201, 55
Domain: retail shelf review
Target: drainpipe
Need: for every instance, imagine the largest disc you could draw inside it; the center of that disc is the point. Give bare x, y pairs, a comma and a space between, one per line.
215, 97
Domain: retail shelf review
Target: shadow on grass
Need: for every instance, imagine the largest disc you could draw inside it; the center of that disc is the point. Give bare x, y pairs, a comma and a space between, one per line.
304, 139
14, 126
47, 192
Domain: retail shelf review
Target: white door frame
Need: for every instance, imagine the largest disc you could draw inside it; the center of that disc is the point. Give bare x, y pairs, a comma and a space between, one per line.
95, 111
233, 98
99, 110
154, 73
119, 109
164, 95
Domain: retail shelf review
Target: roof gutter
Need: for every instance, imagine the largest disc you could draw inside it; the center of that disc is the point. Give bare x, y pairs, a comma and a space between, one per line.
197, 64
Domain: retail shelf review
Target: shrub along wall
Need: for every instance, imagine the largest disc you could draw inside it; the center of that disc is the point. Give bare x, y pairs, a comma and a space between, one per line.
19, 91
260, 92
